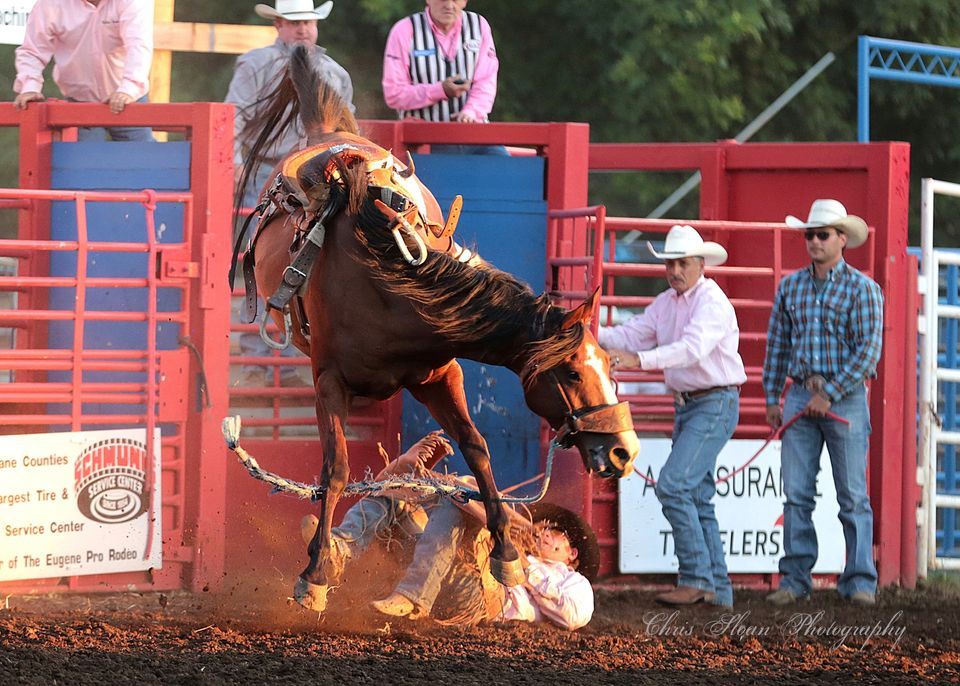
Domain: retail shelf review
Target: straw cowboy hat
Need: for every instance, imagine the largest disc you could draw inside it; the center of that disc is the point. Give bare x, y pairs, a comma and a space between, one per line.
578, 531
831, 213
295, 10
684, 241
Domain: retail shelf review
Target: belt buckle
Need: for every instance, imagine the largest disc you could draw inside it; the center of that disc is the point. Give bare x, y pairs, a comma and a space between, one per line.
296, 277
814, 383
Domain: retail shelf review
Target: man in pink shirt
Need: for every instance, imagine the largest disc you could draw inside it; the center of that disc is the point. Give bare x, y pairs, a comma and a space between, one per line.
690, 331
441, 65
102, 50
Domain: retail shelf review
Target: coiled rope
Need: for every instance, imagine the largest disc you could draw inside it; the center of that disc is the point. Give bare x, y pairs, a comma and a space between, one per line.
409, 487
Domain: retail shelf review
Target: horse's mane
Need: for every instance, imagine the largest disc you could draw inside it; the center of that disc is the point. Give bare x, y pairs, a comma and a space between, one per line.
465, 303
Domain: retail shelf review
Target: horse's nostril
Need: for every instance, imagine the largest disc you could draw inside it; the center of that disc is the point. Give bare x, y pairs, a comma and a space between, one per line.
622, 460
619, 457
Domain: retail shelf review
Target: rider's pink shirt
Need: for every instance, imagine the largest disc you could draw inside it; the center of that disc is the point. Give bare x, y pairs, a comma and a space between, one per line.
401, 94
97, 49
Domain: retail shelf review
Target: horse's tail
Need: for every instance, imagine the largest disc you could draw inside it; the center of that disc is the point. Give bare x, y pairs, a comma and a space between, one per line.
322, 110
302, 92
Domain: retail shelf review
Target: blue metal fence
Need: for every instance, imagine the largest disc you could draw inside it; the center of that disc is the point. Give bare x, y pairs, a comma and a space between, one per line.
895, 60
505, 220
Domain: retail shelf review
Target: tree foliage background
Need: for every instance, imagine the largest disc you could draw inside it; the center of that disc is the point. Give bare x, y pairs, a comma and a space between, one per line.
649, 70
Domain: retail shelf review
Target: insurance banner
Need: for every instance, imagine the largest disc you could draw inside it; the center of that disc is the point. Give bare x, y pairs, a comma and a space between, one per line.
749, 510
79, 503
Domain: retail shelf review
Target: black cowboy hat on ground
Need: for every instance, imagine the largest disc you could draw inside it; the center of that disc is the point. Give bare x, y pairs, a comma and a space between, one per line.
578, 531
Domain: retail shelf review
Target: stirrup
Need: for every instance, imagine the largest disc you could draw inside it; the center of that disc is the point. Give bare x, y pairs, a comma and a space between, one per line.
287, 326
397, 223
421, 246
416, 262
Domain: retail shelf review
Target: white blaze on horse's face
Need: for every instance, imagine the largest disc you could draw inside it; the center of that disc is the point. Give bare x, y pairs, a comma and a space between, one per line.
629, 439
595, 362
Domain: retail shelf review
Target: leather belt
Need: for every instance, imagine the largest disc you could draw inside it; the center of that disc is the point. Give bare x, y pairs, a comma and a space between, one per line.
686, 396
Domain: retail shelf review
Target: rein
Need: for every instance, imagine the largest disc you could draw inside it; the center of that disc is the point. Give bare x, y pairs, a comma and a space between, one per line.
774, 435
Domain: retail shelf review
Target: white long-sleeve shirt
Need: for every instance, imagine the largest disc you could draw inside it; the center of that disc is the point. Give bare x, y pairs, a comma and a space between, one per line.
97, 49
552, 592
693, 336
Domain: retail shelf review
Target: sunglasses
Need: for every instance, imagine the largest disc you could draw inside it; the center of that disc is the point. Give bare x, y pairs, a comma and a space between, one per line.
810, 234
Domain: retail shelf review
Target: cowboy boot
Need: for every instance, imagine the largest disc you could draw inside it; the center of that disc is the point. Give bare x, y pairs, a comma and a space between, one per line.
396, 605
685, 595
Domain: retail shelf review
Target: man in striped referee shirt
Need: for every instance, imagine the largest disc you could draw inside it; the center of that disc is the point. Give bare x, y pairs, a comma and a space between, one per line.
825, 334
441, 65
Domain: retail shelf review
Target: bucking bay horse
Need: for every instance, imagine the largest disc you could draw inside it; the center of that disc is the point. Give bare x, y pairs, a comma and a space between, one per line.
362, 274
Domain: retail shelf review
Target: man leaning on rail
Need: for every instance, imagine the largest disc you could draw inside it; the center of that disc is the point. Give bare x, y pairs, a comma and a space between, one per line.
101, 52
825, 334
690, 331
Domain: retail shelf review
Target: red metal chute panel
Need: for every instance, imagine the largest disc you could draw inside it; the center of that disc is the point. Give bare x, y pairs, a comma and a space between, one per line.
61, 302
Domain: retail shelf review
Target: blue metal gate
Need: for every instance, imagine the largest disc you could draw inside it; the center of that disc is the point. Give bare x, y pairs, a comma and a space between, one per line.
505, 219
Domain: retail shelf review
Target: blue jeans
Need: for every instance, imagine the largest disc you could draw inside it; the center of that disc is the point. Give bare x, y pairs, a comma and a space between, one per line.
368, 519
686, 488
436, 567
139, 134
436, 570
800, 457
251, 193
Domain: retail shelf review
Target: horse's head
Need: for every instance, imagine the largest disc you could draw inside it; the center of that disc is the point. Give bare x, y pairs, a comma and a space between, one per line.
573, 392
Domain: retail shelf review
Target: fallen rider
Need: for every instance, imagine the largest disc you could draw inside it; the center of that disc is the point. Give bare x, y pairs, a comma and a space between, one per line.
448, 578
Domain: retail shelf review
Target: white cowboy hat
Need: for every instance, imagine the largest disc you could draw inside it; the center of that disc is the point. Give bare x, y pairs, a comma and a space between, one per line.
832, 213
684, 241
295, 10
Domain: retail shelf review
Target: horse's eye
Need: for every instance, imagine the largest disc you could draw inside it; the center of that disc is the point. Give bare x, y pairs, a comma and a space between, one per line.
574, 376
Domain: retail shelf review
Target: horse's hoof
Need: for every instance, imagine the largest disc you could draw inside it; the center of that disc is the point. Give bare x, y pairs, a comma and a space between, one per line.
509, 573
311, 596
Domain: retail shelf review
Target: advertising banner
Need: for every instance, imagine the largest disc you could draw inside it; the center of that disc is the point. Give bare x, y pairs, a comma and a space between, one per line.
749, 509
79, 503
13, 20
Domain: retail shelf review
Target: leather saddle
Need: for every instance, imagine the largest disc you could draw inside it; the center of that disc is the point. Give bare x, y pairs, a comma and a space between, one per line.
306, 175
301, 190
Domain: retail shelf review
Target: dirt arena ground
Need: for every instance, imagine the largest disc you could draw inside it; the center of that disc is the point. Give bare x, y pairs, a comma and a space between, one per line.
254, 638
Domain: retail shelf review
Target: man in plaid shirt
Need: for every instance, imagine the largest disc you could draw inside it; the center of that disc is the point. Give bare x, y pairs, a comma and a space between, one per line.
825, 334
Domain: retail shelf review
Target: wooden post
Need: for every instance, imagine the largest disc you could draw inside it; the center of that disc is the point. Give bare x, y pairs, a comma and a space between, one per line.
162, 61
229, 39
162, 55
170, 36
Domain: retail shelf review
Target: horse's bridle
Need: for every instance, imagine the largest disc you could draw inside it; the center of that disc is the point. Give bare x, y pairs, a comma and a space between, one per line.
601, 419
